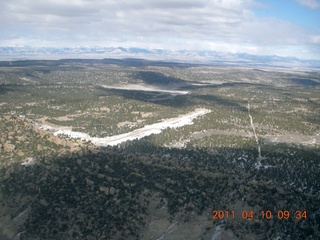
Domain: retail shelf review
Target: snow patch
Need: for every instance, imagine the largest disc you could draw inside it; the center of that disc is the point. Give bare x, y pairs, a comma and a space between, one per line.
146, 88
47, 127
29, 162
147, 130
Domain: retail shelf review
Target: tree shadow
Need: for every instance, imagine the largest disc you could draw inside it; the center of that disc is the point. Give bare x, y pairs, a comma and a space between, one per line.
4, 88
139, 62
160, 98
211, 100
163, 83
156, 78
304, 82
102, 194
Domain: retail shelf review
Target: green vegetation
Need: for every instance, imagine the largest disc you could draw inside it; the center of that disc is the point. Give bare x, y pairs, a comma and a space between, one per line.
71, 189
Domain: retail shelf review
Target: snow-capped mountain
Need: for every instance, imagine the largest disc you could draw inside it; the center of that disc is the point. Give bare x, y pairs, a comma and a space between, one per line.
209, 57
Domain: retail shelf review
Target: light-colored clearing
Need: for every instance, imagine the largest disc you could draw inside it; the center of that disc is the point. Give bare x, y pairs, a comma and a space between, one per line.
126, 123
64, 118
156, 128
27, 80
146, 88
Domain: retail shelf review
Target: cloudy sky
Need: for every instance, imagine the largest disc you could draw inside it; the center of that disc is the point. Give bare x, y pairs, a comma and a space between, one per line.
279, 27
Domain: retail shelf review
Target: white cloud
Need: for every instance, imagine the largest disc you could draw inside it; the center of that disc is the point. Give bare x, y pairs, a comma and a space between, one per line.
313, 4
173, 24
315, 39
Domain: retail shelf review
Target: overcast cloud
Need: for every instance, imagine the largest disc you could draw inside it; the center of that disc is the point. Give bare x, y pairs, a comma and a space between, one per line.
222, 25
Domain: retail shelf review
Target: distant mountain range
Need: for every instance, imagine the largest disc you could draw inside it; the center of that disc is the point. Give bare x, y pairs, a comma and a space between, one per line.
188, 56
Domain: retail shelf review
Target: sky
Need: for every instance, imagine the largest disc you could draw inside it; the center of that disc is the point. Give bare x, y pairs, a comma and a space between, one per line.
261, 27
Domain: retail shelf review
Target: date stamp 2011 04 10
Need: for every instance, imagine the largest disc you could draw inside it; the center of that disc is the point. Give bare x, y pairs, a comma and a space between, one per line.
263, 214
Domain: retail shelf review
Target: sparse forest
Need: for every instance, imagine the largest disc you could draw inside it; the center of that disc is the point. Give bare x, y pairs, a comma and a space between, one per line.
56, 187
